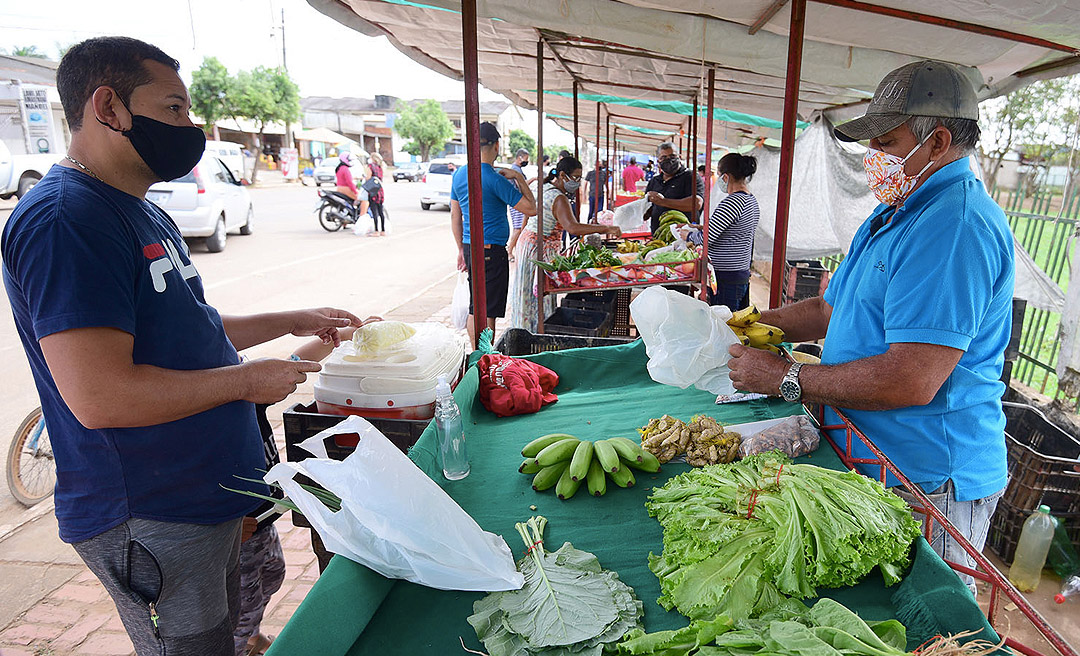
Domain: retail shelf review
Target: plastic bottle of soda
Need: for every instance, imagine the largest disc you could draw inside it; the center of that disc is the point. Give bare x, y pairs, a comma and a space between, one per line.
1035, 539
1062, 557
1070, 588
451, 433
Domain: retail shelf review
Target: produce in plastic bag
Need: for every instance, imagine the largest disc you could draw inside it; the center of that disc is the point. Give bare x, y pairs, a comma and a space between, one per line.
795, 436
394, 518
687, 340
378, 336
459, 306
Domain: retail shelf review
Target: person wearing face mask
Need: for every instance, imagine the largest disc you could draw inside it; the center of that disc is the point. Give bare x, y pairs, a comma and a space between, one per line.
561, 184
676, 188
917, 318
731, 232
150, 408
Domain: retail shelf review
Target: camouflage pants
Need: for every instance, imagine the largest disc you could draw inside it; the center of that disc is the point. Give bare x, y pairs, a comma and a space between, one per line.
262, 569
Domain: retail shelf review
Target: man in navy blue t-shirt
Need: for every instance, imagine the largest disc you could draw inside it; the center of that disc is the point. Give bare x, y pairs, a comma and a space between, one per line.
150, 409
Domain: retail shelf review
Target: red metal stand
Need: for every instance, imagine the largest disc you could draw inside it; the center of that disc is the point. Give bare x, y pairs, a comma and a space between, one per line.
541, 173
984, 569
787, 148
475, 169
708, 187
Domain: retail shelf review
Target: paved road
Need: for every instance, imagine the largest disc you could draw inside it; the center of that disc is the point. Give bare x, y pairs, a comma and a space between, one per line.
288, 262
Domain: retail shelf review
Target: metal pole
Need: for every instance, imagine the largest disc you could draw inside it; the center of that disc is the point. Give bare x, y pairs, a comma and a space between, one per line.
708, 178
472, 144
787, 148
694, 165
595, 209
541, 173
577, 134
610, 160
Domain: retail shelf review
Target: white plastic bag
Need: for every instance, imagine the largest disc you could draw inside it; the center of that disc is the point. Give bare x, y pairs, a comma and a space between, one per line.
686, 339
459, 307
394, 519
630, 216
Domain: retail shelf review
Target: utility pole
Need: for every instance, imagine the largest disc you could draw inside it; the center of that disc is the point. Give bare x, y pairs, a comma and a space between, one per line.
284, 64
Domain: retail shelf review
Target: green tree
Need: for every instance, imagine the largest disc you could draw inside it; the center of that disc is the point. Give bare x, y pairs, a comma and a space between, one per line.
265, 96
27, 51
211, 89
425, 124
412, 148
1031, 116
518, 139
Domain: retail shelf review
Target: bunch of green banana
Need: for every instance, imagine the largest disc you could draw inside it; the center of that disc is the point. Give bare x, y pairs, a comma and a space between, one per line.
668, 219
747, 325
563, 461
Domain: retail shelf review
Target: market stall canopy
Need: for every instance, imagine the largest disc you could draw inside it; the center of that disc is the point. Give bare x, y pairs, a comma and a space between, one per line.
658, 51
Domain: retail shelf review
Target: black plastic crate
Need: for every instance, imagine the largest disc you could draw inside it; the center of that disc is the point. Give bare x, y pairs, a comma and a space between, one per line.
1007, 522
585, 323
518, 341
598, 301
1042, 461
302, 421
804, 279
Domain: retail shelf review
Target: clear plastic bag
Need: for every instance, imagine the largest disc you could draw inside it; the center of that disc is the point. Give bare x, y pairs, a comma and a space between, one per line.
393, 518
631, 215
687, 340
459, 306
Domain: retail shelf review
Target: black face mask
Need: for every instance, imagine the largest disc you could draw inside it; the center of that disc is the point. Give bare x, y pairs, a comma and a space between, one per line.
171, 151
671, 165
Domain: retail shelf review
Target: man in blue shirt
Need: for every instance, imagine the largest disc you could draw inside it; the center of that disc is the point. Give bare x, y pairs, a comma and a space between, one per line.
150, 409
502, 188
917, 318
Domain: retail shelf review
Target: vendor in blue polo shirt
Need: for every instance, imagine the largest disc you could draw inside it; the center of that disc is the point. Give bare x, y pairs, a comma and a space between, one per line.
917, 317
504, 187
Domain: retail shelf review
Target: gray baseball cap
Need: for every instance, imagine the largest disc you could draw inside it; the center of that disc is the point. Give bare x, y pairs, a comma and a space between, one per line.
922, 88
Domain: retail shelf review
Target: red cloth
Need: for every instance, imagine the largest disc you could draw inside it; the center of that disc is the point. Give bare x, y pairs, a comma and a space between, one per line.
509, 386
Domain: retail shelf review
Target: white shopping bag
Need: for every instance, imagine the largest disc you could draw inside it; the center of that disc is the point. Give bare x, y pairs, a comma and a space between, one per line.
459, 306
630, 216
396, 520
687, 340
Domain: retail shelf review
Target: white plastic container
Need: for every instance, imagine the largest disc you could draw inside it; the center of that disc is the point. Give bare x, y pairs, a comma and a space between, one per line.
397, 383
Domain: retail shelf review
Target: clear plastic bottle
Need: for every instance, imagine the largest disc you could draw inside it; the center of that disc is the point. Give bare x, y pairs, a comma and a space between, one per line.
1062, 557
1035, 539
451, 433
1069, 588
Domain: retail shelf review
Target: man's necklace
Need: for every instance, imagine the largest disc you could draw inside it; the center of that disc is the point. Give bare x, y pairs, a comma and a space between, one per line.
85, 169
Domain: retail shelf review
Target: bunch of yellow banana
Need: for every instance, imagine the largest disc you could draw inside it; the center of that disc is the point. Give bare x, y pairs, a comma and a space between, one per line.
628, 246
745, 323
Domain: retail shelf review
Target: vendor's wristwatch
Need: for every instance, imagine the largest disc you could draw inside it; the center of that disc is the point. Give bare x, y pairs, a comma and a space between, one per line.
790, 388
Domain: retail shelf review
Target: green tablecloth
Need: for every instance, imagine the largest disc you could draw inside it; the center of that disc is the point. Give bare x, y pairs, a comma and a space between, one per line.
603, 392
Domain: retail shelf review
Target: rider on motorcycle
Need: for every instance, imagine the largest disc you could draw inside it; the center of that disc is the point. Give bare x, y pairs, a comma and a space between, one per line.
347, 186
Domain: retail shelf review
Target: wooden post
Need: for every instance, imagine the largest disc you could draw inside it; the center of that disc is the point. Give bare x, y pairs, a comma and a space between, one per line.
693, 161
787, 148
472, 141
540, 175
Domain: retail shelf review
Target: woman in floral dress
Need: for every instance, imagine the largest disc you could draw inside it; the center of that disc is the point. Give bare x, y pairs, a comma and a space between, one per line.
561, 184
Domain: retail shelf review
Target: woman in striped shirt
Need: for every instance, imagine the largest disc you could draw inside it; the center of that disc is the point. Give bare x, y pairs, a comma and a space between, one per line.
731, 233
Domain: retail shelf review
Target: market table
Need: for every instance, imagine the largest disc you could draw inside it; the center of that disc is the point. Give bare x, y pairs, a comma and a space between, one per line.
603, 392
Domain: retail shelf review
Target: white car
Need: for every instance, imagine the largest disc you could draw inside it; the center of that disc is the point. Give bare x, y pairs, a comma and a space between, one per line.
326, 171
437, 182
207, 202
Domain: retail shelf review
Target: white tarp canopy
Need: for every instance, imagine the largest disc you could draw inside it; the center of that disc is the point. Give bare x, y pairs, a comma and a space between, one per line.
659, 50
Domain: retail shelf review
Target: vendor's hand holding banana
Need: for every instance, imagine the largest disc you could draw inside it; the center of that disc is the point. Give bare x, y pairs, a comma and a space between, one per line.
745, 323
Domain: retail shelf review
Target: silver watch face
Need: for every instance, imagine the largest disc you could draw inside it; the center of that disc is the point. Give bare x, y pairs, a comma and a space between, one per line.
790, 390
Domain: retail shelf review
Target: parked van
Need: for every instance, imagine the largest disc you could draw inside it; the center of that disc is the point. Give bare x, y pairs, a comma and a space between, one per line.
230, 153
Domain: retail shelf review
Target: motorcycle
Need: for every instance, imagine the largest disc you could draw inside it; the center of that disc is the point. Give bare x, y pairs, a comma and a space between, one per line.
336, 210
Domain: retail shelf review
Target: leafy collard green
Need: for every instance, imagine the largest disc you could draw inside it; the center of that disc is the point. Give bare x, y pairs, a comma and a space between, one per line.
569, 604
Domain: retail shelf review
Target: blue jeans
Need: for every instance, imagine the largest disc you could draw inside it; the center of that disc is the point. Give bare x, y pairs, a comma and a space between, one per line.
734, 295
972, 518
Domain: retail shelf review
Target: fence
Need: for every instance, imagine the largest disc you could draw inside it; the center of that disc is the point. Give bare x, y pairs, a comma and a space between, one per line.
1045, 223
